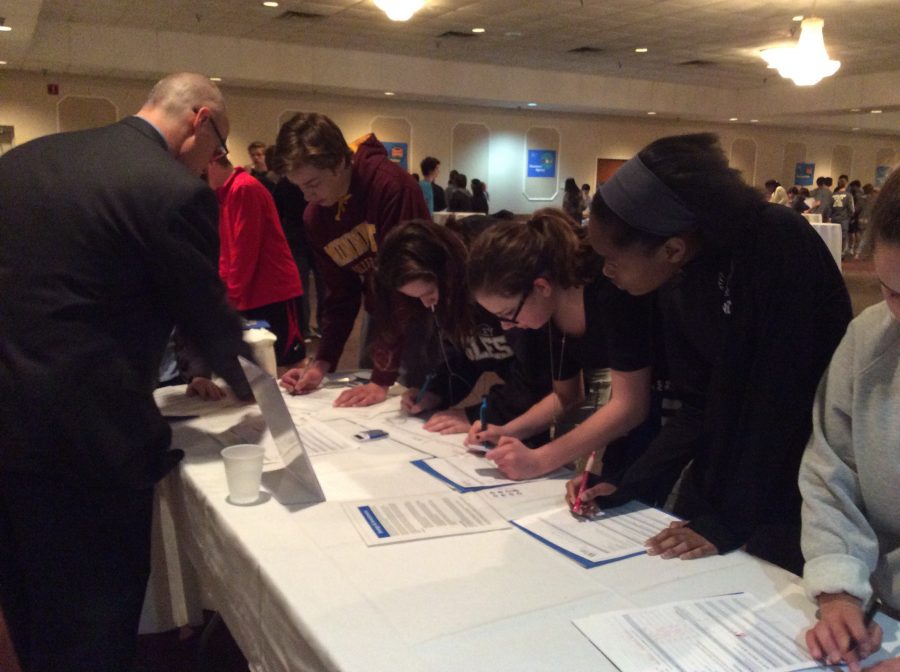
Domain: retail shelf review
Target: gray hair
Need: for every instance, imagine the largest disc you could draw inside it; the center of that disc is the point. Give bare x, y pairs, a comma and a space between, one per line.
181, 92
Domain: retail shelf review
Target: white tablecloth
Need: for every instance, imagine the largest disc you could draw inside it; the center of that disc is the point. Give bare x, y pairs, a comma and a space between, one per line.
299, 590
813, 218
831, 234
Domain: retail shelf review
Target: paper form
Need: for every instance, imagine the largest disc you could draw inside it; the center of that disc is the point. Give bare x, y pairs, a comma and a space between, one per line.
173, 401
465, 472
387, 521
320, 439
729, 633
613, 534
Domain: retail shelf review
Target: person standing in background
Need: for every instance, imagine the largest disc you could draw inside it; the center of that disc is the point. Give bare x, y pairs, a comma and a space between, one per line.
430, 169
109, 240
776, 193
255, 262
257, 166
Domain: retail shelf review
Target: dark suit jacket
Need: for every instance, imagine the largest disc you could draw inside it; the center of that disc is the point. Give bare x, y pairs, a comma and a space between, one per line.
106, 242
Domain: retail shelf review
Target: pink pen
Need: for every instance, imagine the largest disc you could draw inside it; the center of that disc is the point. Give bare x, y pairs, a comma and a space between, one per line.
576, 507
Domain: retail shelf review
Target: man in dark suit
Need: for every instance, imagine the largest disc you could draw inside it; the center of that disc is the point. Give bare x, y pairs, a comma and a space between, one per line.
107, 239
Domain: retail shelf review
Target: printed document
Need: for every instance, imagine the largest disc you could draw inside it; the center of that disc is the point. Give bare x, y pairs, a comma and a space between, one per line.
387, 521
729, 633
320, 439
613, 534
468, 471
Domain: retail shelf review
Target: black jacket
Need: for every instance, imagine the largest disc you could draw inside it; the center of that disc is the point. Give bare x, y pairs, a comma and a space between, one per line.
748, 335
106, 242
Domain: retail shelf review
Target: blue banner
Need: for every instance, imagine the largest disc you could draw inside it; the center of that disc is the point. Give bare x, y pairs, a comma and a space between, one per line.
803, 174
541, 163
398, 152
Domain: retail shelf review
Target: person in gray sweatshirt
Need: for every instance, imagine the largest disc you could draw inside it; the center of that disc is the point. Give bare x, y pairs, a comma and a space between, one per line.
850, 473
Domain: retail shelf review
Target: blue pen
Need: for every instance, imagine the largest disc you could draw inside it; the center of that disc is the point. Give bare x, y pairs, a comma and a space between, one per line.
422, 390
482, 417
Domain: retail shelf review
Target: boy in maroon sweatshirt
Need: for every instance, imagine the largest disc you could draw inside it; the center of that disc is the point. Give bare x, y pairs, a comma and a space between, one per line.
354, 201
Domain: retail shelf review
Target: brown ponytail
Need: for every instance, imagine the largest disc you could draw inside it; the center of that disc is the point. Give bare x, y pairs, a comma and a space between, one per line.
507, 258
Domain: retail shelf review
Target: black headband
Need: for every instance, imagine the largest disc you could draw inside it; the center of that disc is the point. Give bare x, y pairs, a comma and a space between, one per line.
644, 202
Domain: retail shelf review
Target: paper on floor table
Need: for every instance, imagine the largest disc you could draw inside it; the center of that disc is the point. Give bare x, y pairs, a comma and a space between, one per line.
387, 521
729, 633
465, 472
613, 534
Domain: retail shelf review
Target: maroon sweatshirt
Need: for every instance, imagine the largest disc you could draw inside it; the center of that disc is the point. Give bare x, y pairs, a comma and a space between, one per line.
346, 237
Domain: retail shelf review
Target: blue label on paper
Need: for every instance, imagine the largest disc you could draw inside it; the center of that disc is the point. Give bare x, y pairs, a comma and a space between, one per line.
373, 522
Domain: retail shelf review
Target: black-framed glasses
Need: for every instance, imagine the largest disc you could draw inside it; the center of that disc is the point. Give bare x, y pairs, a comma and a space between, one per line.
222, 149
514, 318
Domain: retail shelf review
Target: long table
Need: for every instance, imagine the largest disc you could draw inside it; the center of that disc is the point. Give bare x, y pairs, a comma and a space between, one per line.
299, 590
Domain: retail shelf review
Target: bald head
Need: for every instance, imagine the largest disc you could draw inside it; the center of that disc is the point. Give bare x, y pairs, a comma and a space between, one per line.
181, 92
189, 111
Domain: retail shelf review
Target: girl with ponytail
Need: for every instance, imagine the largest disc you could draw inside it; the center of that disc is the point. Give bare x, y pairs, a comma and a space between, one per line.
542, 275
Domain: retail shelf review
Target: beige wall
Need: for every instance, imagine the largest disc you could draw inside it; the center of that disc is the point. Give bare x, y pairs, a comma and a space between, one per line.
25, 104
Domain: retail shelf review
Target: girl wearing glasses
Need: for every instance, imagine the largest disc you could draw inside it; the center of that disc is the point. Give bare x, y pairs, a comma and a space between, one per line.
752, 307
543, 276
421, 271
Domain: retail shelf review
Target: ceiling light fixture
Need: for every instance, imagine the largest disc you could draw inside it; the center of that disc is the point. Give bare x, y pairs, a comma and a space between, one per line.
532, 104
5, 29
399, 10
732, 118
2, 62
874, 111
855, 109
799, 17
389, 93
651, 113
807, 63
478, 30
270, 3
754, 121
641, 50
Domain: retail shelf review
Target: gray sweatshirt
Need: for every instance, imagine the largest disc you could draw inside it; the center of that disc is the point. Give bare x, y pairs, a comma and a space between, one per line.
850, 474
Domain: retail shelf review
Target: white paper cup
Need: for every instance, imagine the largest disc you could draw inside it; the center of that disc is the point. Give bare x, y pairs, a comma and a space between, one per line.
243, 469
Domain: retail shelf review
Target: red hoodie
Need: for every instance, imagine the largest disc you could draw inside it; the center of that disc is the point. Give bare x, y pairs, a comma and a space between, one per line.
255, 262
346, 237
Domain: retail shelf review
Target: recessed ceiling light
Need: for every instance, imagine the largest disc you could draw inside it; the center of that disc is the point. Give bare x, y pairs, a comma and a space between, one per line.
855, 109
532, 104
855, 128
651, 113
641, 50
875, 111
478, 30
5, 29
389, 93
215, 79
799, 17
2, 62
732, 119
754, 121
270, 3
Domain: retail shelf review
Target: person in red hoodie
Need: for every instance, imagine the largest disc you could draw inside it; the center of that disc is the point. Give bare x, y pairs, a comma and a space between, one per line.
255, 262
355, 199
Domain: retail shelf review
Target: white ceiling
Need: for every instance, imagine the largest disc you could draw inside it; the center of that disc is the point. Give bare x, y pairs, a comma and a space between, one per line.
724, 36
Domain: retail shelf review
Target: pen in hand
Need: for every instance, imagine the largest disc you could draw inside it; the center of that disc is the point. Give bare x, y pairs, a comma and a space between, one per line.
871, 609
576, 507
482, 417
422, 390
